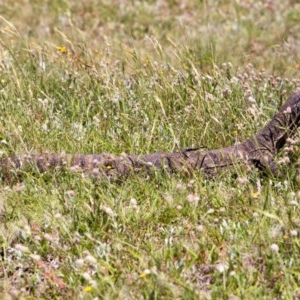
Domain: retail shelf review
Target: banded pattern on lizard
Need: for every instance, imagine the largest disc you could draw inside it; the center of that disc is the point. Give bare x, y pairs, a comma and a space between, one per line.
258, 151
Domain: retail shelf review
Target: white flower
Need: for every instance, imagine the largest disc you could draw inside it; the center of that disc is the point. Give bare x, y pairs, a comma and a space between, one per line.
192, 198
200, 228
191, 183
79, 262
180, 186
87, 276
251, 100
21, 248
147, 271
222, 267
293, 232
90, 259
293, 203
242, 180
274, 247
107, 210
133, 202
35, 257
57, 216
48, 237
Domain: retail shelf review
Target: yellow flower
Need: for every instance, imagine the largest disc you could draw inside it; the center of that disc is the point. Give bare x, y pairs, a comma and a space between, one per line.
255, 194
146, 62
62, 49
88, 288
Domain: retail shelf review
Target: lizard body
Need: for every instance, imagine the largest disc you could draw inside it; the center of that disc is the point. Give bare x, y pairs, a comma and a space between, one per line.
258, 151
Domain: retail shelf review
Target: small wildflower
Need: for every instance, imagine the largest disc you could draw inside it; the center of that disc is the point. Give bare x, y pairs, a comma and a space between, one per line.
293, 203
274, 248
79, 262
222, 267
107, 210
21, 248
292, 141
234, 80
284, 161
88, 288
288, 110
289, 149
196, 198
229, 65
57, 216
87, 276
90, 259
145, 273
179, 207
251, 100
255, 195
200, 228
192, 198
291, 195
191, 183
242, 180
293, 232
35, 257
96, 120
93, 284
211, 211
227, 92
180, 186
37, 238
48, 237
62, 49
255, 215
133, 202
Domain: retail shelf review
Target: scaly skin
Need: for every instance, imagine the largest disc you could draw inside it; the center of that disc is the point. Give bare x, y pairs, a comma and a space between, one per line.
258, 151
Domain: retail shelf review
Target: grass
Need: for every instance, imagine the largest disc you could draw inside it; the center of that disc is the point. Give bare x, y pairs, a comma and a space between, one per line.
141, 77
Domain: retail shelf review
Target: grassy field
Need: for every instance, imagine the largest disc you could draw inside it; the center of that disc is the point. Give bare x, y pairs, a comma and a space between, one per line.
139, 77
